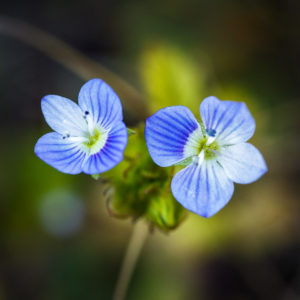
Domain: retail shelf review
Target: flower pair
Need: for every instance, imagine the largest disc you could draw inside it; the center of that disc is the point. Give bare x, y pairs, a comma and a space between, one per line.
91, 137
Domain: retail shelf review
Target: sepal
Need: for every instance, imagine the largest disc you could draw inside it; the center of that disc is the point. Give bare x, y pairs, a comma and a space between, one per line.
130, 131
141, 189
95, 176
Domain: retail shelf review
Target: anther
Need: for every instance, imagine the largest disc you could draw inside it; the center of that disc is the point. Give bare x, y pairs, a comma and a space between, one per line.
86, 112
210, 132
67, 135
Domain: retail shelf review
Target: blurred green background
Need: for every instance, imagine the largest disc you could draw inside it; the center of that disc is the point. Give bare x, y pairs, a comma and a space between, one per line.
57, 240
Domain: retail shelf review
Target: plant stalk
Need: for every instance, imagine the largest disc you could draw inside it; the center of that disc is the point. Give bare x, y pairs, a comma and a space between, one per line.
133, 251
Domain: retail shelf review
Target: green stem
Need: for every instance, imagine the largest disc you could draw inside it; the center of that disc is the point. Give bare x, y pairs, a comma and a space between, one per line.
134, 249
73, 60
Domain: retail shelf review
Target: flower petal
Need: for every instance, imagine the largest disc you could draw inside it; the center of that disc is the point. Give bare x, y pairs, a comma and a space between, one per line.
100, 101
203, 189
243, 163
231, 120
62, 154
167, 132
63, 115
112, 152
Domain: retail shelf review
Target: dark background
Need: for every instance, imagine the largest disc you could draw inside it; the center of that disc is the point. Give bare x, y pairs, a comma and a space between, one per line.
57, 240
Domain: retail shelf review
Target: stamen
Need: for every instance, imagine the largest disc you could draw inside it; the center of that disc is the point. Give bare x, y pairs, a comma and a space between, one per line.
79, 139
90, 124
89, 121
201, 157
210, 140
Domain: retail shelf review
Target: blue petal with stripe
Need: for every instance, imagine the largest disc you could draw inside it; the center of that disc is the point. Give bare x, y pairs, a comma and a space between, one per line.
112, 152
203, 189
167, 132
242, 163
63, 115
231, 121
99, 100
64, 155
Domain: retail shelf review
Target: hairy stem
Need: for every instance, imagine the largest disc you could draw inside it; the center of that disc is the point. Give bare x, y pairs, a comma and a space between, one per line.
134, 248
73, 60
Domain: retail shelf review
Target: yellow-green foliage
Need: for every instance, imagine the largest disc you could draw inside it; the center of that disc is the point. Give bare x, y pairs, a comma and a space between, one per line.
171, 77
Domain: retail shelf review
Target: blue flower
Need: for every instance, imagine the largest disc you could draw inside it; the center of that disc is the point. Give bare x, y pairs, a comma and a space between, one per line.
89, 137
214, 152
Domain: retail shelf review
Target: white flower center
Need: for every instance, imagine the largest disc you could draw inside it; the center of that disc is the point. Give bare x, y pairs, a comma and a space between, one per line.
201, 145
95, 140
95, 137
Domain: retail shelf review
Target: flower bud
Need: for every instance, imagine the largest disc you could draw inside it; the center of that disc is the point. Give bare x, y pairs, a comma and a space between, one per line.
142, 189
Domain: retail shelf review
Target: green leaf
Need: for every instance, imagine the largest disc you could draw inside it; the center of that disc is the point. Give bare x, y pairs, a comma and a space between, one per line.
130, 131
95, 176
